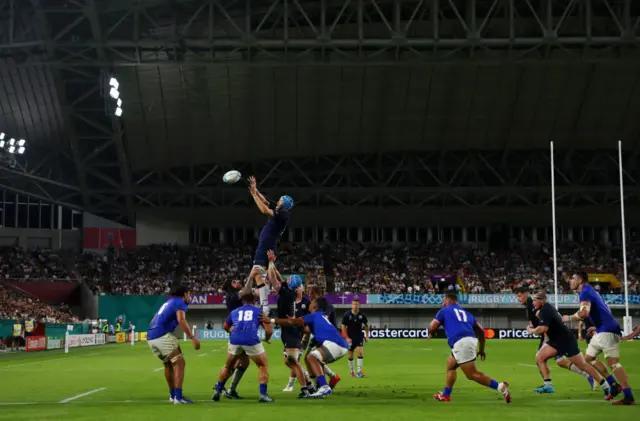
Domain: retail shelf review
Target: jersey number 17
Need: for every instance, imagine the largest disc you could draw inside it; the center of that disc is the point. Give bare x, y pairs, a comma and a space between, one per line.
461, 315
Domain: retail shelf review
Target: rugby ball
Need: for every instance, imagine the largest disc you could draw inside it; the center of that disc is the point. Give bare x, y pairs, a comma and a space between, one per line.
231, 177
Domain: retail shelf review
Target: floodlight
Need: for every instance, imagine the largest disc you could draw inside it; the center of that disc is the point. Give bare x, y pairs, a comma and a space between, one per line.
1, 136
118, 111
21, 142
12, 149
1, 143
114, 82
12, 142
119, 103
21, 150
114, 93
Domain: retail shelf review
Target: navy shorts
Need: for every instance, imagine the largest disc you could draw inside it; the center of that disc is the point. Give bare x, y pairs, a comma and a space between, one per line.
260, 258
355, 343
566, 348
542, 342
291, 338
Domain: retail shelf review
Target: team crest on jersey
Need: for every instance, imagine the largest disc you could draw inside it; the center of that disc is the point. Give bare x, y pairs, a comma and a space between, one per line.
359, 317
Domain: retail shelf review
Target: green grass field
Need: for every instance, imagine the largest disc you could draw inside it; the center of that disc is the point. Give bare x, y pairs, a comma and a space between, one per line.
401, 379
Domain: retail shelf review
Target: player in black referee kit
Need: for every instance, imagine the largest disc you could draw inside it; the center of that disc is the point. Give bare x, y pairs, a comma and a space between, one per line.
355, 328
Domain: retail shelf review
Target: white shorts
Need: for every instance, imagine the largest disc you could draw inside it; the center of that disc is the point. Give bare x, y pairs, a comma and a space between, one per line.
606, 342
250, 350
332, 352
163, 346
464, 350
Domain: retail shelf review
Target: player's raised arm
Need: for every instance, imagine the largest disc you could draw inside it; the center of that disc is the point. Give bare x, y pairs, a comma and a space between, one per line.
184, 325
261, 201
273, 275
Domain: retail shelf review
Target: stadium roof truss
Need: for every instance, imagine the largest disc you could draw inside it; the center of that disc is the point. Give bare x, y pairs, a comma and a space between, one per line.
76, 40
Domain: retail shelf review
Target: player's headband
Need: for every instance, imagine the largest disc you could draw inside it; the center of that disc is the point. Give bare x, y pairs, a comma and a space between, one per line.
287, 202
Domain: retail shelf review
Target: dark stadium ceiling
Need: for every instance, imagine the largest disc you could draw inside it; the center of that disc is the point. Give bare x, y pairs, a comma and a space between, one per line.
212, 83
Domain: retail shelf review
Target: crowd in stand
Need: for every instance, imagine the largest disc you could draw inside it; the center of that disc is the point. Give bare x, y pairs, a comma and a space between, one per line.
354, 267
14, 305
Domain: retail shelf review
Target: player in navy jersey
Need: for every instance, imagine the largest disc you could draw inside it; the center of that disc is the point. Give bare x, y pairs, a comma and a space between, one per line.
355, 327
332, 345
605, 341
463, 334
561, 342
242, 325
525, 299
276, 224
165, 346
234, 291
287, 292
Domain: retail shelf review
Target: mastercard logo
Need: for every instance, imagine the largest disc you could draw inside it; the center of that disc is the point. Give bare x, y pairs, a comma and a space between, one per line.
489, 333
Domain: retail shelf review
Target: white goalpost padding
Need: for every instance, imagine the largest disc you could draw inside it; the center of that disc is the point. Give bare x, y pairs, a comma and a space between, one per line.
627, 320
553, 226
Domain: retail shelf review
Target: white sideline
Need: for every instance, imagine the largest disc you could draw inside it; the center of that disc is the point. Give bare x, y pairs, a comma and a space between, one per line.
91, 392
35, 362
528, 365
158, 369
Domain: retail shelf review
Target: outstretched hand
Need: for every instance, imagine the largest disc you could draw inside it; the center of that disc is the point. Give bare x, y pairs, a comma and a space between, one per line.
264, 318
252, 185
271, 256
482, 355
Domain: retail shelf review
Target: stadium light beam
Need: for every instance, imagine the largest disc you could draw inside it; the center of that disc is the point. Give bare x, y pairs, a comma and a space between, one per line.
2, 142
114, 93
118, 111
114, 82
12, 149
119, 103
21, 142
2, 136
553, 222
12, 141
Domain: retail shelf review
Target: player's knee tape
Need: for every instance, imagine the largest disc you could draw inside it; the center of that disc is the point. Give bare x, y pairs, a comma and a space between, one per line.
616, 366
176, 358
317, 355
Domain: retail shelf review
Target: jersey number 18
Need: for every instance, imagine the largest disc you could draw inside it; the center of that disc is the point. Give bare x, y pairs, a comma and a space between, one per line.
245, 316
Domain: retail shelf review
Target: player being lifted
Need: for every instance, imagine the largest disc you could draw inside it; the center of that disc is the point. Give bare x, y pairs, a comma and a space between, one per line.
234, 291
355, 327
525, 299
463, 334
606, 339
561, 342
269, 237
291, 336
242, 325
165, 346
332, 345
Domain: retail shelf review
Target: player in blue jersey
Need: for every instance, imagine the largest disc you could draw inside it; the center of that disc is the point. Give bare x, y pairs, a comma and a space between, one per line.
605, 341
165, 346
276, 224
310, 344
463, 334
332, 345
242, 325
233, 300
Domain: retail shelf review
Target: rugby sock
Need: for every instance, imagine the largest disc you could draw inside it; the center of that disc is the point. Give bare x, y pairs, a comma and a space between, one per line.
351, 365
263, 389
314, 381
575, 369
627, 393
360, 364
178, 393
447, 391
172, 393
292, 381
604, 385
237, 376
494, 384
264, 298
611, 380
219, 386
502, 388
322, 381
329, 372
548, 382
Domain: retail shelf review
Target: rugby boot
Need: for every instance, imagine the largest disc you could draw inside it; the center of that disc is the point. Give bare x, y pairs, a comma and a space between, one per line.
441, 398
545, 389
334, 382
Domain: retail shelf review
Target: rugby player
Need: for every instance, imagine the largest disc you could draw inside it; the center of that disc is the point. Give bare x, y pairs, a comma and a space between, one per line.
525, 299
291, 336
561, 342
302, 305
631, 336
606, 340
463, 334
273, 229
242, 325
165, 346
233, 300
355, 328
331, 347
310, 344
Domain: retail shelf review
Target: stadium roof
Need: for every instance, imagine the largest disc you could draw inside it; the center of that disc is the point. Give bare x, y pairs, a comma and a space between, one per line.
208, 83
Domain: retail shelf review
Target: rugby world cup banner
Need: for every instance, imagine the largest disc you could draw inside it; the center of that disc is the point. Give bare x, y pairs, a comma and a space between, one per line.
221, 335
484, 299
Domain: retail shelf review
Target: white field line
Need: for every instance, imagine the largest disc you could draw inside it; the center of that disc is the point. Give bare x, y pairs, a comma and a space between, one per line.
52, 359
91, 392
158, 369
528, 365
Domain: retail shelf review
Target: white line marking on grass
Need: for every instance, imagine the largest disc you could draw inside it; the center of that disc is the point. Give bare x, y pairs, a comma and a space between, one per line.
34, 362
202, 355
91, 392
426, 349
528, 365
158, 369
